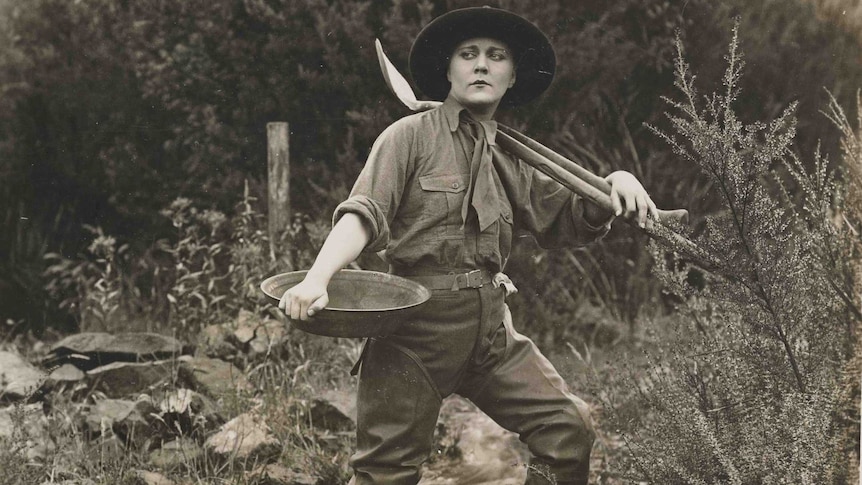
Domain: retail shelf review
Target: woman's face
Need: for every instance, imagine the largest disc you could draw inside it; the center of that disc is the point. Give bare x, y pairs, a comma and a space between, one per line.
481, 70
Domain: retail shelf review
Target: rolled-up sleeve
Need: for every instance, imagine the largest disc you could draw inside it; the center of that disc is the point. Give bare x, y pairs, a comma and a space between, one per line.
377, 192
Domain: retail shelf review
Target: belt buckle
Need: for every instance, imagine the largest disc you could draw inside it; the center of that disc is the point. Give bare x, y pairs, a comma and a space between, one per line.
474, 278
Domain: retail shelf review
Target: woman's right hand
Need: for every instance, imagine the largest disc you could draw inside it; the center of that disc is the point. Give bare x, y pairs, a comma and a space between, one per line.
305, 299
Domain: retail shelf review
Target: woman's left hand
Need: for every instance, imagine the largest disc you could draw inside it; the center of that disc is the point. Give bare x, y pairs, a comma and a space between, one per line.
629, 198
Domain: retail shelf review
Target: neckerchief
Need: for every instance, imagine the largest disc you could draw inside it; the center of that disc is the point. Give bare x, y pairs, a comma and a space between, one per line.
482, 192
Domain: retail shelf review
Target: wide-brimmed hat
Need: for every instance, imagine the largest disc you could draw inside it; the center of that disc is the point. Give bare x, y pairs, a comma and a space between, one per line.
429, 56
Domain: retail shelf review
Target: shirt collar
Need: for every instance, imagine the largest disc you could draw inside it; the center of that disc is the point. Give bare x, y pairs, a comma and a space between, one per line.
452, 112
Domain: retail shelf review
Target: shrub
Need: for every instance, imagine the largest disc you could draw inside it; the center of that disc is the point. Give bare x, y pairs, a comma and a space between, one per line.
749, 383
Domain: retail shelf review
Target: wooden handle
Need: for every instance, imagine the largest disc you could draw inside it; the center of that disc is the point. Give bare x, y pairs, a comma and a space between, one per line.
596, 192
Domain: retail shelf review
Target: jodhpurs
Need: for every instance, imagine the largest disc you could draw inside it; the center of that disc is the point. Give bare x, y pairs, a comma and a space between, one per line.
464, 343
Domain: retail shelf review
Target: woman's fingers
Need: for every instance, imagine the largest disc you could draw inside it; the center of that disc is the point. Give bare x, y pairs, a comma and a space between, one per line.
615, 201
300, 307
318, 305
631, 205
642, 209
653, 210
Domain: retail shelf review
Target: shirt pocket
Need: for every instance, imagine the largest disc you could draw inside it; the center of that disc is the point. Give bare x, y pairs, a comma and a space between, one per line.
443, 196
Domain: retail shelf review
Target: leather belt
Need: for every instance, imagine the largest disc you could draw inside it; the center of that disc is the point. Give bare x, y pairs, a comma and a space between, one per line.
454, 282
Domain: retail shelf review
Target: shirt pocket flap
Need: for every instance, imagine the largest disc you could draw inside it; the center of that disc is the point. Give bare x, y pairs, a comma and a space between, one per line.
443, 183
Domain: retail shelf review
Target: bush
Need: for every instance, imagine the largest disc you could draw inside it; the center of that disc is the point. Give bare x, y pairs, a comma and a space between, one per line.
750, 386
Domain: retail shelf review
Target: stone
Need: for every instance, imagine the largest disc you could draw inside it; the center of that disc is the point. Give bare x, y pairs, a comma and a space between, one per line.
335, 411
133, 422
277, 474
214, 341
246, 323
18, 378
269, 338
67, 373
246, 439
190, 412
122, 379
152, 478
179, 454
88, 350
217, 379
488, 453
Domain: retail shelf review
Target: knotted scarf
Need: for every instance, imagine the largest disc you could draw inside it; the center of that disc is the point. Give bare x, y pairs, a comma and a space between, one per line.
482, 193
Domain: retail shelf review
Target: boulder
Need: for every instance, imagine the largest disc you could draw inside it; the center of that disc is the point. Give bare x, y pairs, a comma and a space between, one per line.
245, 439
18, 378
93, 349
216, 378
180, 454
122, 379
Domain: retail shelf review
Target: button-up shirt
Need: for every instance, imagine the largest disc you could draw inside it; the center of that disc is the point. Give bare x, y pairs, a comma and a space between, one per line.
412, 190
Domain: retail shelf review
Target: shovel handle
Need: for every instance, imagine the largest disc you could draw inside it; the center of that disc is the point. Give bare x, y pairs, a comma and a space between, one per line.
571, 175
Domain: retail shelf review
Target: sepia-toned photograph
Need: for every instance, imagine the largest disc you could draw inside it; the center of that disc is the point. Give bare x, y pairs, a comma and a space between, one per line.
434, 242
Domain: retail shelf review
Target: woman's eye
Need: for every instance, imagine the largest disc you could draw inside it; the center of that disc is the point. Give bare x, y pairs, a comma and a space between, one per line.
468, 55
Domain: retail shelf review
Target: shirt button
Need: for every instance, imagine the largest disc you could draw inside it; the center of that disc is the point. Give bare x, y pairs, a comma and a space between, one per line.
455, 185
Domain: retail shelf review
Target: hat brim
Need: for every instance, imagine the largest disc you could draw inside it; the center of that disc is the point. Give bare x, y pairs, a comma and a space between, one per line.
429, 56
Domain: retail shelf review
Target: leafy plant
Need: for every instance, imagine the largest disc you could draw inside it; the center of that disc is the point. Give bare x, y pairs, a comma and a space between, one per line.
92, 288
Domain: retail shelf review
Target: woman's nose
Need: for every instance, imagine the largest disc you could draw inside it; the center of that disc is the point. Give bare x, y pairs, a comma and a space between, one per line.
481, 64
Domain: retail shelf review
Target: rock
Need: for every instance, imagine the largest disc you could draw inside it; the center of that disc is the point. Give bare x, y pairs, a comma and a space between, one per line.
181, 453
268, 339
276, 474
18, 378
152, 478
122, 379
67, 373
246, 323
245, 439
488, 453
214, 341
92, 349
217, 379
334, 411
133, 422
192, 413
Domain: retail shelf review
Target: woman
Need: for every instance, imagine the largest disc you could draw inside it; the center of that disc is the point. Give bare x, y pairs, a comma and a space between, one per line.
441, 200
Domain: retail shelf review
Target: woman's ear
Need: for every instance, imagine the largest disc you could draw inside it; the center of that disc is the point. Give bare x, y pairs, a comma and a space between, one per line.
514, 77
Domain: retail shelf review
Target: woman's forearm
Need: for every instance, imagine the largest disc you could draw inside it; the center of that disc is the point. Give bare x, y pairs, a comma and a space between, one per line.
344, 244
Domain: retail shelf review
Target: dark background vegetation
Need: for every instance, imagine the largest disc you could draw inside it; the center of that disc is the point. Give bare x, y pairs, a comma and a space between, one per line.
110, 110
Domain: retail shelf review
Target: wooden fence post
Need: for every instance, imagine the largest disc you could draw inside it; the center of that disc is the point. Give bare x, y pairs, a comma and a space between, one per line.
278, 158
